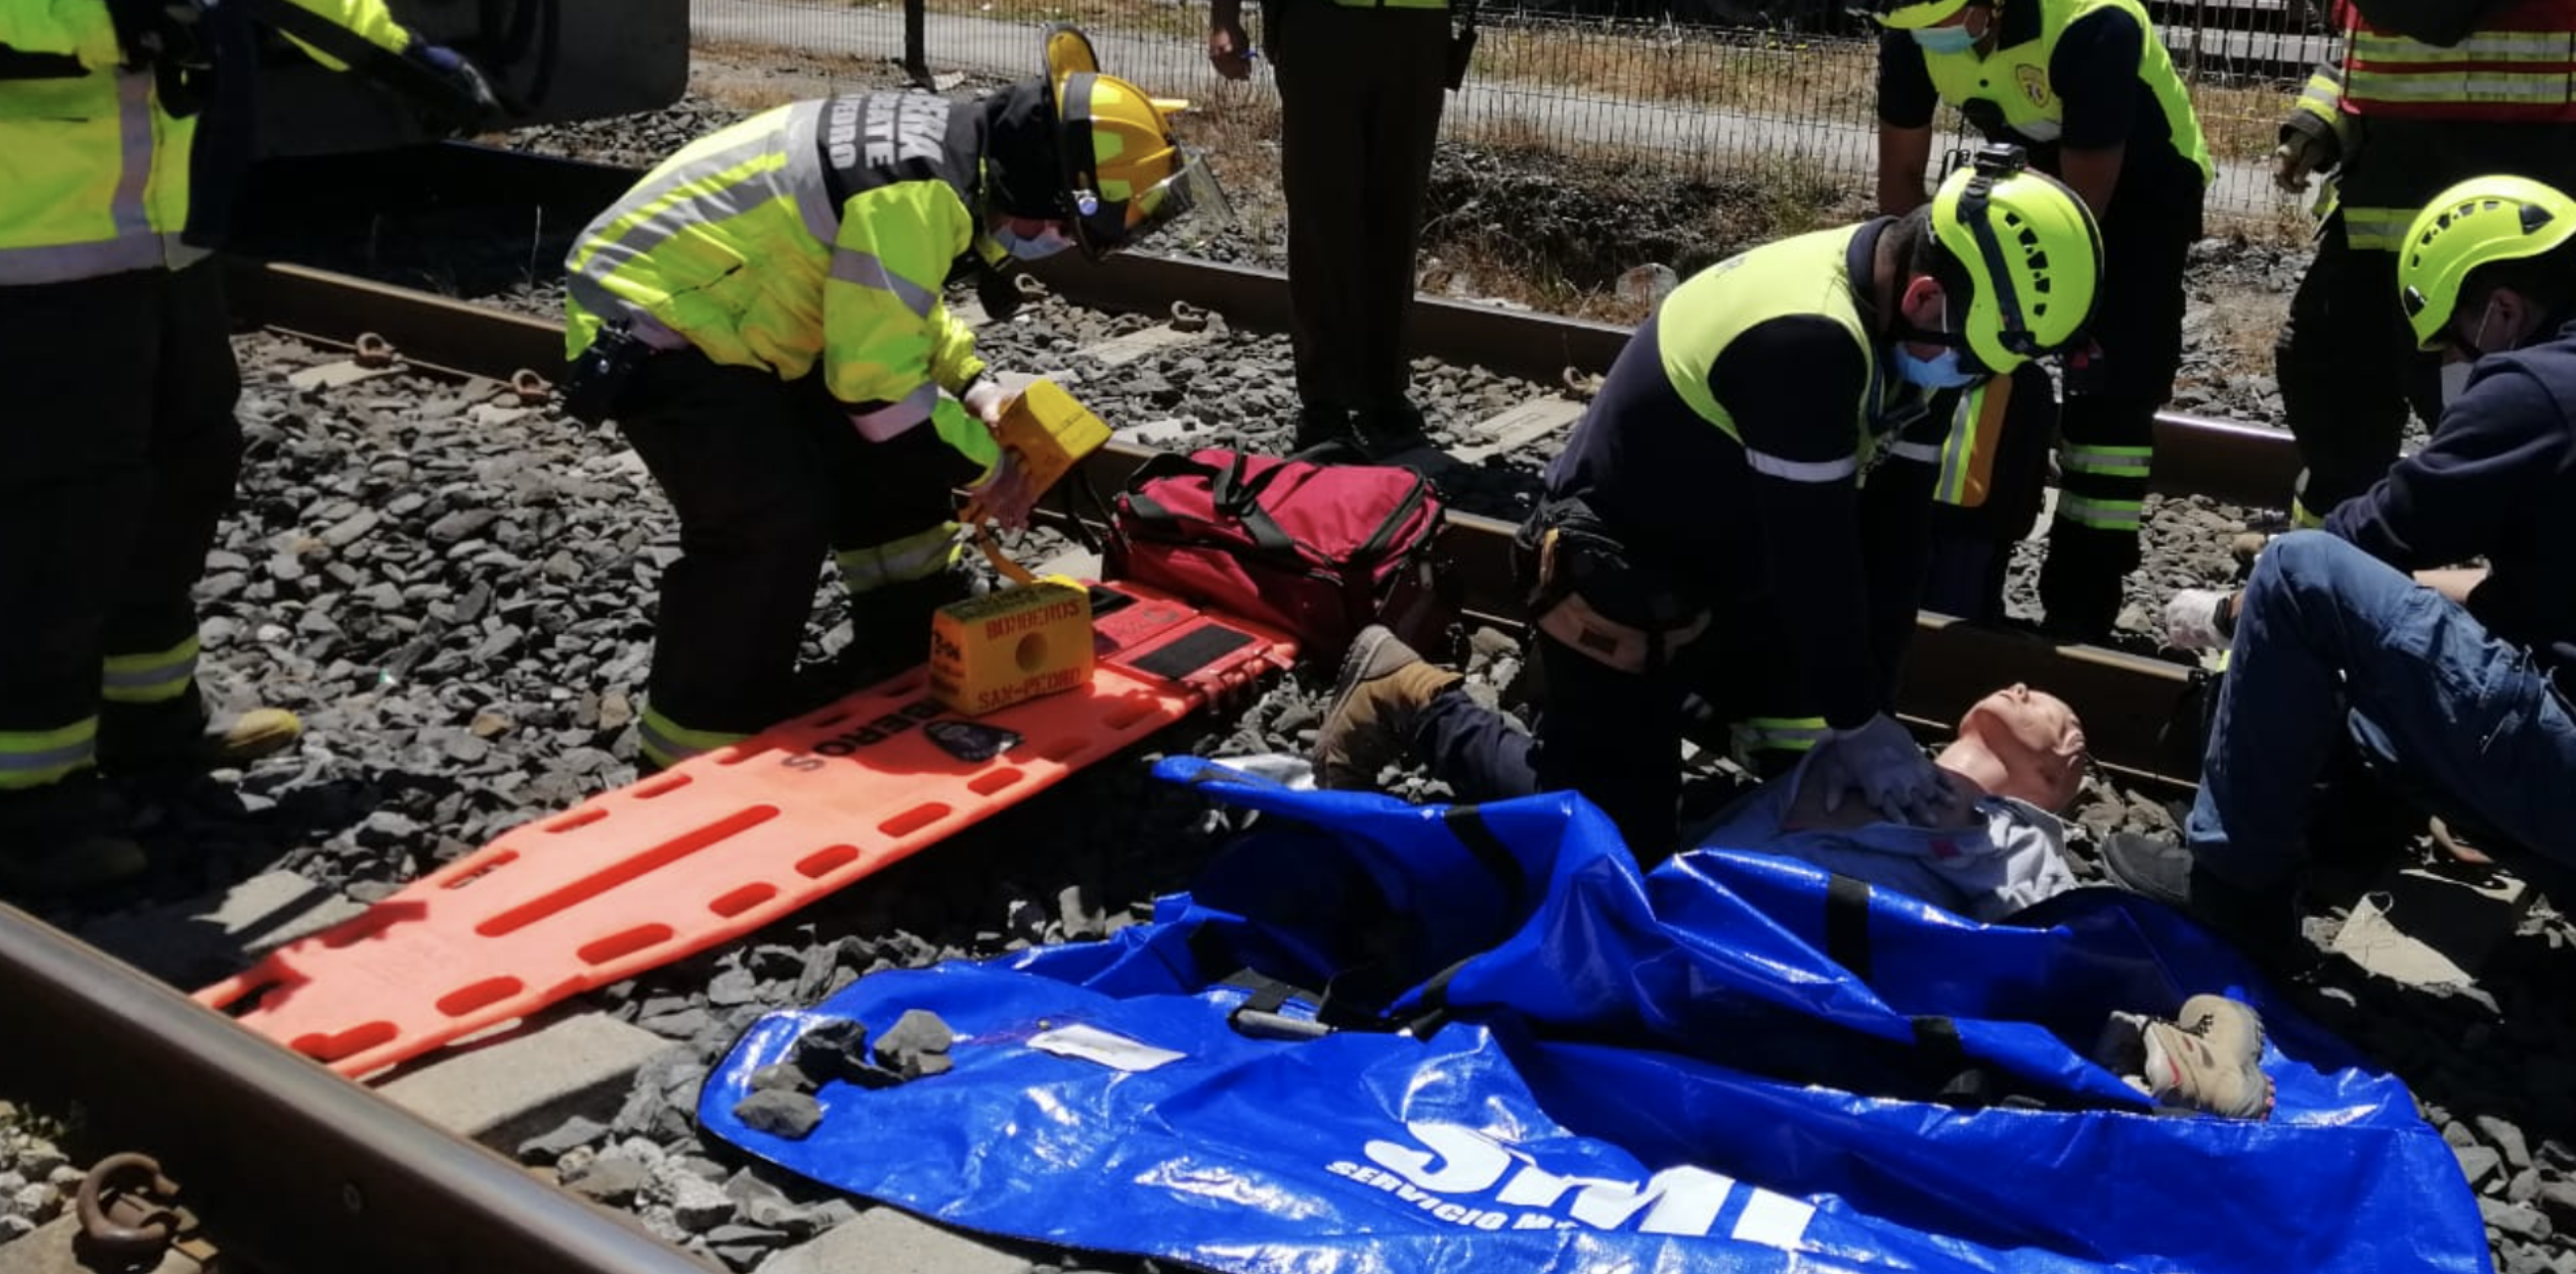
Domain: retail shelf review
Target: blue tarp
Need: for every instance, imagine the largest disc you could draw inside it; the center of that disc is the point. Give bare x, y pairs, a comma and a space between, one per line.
1730, 1063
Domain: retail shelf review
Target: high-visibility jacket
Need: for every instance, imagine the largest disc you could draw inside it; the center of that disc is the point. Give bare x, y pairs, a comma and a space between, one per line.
2014, 80
2518, 64
1804, 275
817, 232
93, 170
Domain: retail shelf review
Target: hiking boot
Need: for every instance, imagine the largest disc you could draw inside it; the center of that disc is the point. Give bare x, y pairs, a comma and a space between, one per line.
1368, 725
2263, 922
220, 743
249, 736
2209, 1059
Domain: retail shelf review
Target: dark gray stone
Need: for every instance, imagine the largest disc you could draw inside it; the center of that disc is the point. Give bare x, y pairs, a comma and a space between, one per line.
578, 1130
779, 1112
611, 1179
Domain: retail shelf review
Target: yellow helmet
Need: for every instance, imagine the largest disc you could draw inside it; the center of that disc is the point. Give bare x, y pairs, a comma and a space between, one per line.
2477, 222
1908, 15
1124, 174
2032, 252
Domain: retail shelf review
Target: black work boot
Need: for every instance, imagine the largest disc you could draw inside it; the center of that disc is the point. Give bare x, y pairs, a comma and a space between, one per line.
1324, 436
2264, 923
1391, 430
1383, 687
890, 626
2080, 583
56, 842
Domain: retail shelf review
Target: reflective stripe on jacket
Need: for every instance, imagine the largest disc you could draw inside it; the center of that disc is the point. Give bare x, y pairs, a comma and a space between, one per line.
2518, 64
817, 232
93, 172
2014, 79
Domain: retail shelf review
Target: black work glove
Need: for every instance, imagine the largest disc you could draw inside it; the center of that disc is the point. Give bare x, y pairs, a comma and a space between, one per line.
471, 106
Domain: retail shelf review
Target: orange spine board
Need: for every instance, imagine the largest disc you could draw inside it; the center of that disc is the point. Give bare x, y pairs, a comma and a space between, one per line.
710, 850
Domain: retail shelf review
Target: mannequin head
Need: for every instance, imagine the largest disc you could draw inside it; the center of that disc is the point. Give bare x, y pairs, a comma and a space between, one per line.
2021, 743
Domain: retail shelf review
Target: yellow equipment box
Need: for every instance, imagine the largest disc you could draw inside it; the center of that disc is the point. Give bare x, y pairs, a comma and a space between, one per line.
1049, 432
1012, 645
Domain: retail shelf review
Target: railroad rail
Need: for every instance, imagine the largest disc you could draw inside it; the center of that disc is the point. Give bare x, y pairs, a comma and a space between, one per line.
2128, 702
347, 1180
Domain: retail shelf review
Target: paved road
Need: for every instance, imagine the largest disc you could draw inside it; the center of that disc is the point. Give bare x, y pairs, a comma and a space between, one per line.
1569, 117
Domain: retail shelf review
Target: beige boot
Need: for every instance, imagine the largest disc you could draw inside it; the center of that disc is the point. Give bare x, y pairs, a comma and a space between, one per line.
2209, 1058
1368, 725
259, 732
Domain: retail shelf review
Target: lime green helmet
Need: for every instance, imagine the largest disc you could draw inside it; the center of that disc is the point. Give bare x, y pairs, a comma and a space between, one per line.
1908, 15
2032, 253
2478, 222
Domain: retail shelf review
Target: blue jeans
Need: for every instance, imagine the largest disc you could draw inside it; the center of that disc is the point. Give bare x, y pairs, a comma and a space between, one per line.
2331, 641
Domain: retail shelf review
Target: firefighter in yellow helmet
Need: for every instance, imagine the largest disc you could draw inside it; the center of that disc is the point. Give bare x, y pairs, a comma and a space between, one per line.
2419, 94
118, 448
1739, 515
2088, 87
763, 317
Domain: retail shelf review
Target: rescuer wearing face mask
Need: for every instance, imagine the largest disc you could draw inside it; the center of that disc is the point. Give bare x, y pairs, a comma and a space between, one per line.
1739, 514
2088, 88
2461, 696
762, 316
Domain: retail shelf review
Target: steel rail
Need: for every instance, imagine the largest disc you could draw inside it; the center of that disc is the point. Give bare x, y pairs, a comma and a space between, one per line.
289, 1167
2127, 701
2234, 462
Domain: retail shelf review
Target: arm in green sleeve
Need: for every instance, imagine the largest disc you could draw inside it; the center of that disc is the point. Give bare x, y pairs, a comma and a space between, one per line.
887, 335
74, 28
370, 19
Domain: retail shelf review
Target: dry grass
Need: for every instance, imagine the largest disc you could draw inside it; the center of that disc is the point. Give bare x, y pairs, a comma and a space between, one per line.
1750, 73
756, 77
2241, 123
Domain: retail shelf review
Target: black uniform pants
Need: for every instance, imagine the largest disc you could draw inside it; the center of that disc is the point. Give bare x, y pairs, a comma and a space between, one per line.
2349, 371
1613, 734
766, 475
1360, 94
2108, 419
118, 453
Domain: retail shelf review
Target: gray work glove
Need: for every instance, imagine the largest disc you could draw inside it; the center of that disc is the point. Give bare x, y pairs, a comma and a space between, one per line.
1879, 762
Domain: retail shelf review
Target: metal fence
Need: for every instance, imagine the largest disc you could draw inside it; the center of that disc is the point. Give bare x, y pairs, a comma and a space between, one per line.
1695, 95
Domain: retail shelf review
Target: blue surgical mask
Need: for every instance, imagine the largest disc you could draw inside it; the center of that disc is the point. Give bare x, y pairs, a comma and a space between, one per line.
1942, 371
1950, 39
1044, 244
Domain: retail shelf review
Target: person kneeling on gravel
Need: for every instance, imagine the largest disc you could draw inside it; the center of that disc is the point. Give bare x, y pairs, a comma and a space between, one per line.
1739, 515
2332, 637
762, 316
119, 449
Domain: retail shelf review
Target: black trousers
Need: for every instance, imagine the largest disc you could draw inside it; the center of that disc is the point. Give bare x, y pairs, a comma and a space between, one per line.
118, 454
2107, 422
766, 476
2349, 371
1360, 92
